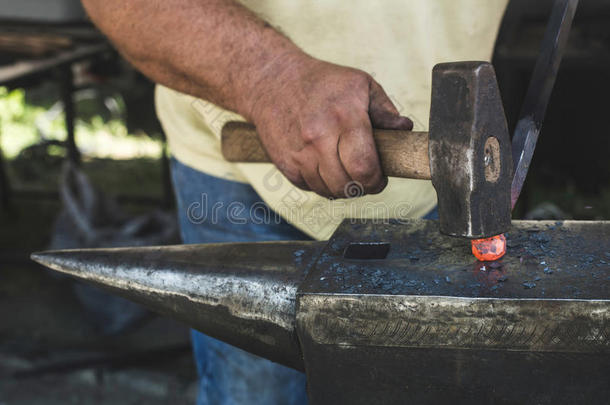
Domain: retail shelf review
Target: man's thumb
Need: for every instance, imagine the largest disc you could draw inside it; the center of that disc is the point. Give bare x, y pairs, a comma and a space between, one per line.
383, 113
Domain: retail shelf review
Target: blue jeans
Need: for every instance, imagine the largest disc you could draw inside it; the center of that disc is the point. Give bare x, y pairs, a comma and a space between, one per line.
209, 211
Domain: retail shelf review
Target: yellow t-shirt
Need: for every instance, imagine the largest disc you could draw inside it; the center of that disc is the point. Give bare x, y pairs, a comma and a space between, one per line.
396, 41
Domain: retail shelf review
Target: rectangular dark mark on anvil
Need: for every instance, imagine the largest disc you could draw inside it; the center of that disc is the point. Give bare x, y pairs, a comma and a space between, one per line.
367, 250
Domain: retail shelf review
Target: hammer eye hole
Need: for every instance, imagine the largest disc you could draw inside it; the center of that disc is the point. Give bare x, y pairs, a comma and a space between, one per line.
492, 159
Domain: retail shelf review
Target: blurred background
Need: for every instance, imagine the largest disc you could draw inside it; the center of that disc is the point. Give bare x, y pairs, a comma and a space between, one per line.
83, 163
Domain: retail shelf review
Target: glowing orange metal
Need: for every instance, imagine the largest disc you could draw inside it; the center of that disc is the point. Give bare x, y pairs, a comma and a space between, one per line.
489, 249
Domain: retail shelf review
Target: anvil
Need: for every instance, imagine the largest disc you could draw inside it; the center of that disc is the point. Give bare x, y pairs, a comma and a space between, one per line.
392, 312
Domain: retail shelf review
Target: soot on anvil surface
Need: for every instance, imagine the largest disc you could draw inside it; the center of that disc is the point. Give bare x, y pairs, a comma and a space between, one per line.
545, 259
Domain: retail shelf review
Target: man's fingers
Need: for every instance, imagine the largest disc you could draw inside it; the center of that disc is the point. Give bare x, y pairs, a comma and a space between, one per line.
383, 112
331, 169
292, 174
359, 157
311, 175
301, 183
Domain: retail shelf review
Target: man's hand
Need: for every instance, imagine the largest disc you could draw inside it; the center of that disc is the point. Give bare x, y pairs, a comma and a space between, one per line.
314, 117
315, 120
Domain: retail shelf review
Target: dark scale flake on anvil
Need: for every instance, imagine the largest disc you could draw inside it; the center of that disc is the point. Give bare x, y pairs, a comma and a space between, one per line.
397, 312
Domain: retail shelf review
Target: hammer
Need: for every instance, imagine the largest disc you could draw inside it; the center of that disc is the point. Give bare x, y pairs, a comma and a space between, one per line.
467, 152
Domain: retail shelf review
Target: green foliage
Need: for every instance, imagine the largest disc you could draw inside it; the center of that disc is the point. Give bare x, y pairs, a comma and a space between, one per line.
12, 104
17, 128
20, 123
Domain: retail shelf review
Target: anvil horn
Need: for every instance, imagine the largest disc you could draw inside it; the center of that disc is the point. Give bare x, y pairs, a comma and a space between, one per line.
241, 293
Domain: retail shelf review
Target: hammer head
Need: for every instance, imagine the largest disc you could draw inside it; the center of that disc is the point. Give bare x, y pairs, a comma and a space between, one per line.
470, 150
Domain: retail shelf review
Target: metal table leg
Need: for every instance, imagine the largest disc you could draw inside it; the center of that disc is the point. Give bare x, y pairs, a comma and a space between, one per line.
67, 88
168, 189
5, 188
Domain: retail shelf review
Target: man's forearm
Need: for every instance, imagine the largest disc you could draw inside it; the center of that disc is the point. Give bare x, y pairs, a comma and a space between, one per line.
314, 118
213, 49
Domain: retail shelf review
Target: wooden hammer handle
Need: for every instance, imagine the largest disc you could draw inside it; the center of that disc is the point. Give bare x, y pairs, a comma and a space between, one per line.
402, 153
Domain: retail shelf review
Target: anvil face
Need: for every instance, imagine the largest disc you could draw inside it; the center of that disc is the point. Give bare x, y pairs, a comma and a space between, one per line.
412, 318
430, 324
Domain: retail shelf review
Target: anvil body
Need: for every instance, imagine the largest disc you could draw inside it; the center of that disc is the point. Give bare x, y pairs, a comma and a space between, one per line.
423, 322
